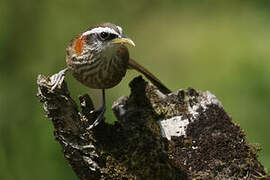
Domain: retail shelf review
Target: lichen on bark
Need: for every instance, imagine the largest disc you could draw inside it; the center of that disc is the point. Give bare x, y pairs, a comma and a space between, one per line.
182, 135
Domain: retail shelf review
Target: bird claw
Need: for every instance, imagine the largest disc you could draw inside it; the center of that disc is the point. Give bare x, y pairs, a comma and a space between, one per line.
97, 121
58, 78
100, 117
96, 111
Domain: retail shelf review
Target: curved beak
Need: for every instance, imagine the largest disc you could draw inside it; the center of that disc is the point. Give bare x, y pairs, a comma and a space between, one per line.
123, 40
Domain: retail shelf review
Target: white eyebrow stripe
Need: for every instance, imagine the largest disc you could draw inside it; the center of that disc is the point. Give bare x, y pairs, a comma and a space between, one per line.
120, 29
99, 30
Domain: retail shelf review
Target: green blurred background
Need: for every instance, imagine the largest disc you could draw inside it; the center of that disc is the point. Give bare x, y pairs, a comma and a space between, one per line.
221, 46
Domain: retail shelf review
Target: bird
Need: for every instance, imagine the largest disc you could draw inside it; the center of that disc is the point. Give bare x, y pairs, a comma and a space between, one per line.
99, 59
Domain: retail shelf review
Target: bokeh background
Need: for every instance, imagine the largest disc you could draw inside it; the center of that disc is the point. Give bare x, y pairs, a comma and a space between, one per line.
221, 46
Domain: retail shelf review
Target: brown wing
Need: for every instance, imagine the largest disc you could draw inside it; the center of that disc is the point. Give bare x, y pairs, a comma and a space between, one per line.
132, 64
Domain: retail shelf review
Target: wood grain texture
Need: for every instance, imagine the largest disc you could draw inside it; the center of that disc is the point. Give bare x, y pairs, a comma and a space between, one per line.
137, 146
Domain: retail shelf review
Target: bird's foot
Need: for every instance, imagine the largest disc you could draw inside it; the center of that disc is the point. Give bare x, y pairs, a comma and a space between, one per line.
100, 117
58, 78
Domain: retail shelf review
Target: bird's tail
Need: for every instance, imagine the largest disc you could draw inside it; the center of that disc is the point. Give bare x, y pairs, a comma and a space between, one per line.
134, 65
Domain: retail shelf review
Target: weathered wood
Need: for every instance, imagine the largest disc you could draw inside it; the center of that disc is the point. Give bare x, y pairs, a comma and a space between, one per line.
183, 135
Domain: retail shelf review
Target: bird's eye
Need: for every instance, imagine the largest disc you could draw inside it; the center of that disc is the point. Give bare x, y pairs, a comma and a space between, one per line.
104, 35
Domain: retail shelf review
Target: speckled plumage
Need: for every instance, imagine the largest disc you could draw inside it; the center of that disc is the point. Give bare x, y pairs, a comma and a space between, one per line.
100, 65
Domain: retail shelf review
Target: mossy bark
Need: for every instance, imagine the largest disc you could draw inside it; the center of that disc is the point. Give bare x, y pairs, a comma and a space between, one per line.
183, 135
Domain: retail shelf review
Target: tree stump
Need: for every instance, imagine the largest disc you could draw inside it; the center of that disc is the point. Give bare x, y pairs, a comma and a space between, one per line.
182, 135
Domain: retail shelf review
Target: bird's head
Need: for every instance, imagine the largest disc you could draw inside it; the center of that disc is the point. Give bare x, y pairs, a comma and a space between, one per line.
100, 40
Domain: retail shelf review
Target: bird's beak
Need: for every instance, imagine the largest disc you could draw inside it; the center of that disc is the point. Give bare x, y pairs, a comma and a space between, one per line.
124, 40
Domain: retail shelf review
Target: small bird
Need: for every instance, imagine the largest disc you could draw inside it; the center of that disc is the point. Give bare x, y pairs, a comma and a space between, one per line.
99, 59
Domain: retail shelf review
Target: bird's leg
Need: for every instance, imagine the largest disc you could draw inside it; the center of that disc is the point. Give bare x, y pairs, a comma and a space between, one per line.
58, 78
102, 110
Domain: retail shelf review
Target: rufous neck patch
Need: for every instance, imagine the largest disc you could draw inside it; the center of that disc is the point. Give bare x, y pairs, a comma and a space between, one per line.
79, 45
